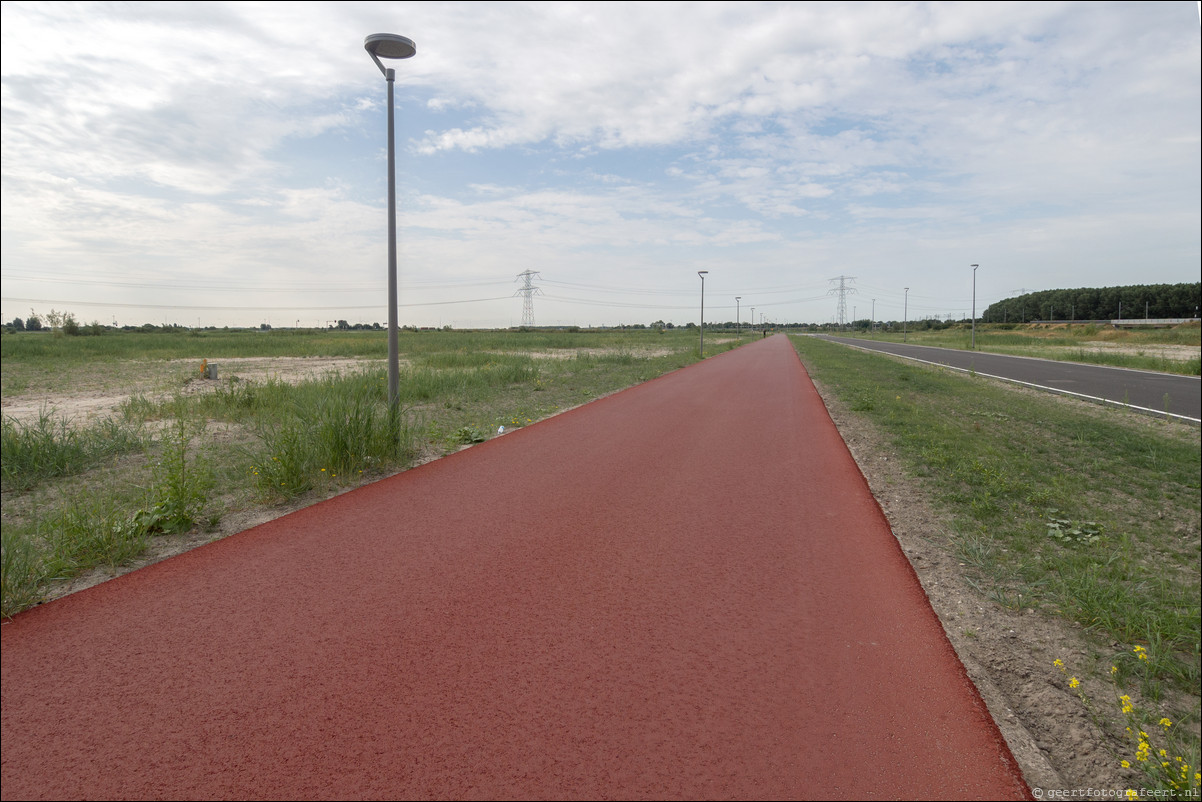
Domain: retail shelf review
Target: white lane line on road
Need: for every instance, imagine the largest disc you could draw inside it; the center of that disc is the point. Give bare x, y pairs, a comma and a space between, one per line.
1043, 387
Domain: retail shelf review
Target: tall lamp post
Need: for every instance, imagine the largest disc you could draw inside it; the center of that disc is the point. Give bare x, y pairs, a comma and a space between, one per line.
378, 46
974, 307
738, 320
905, 314
702, 274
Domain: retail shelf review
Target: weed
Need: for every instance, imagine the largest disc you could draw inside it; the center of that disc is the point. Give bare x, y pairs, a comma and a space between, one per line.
20, 571
344, 428
51, 446
87, 532
1071, 532
1167, 761
466, 435
180, 489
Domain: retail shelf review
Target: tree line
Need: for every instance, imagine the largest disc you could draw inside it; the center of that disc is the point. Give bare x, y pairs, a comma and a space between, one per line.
1107, 303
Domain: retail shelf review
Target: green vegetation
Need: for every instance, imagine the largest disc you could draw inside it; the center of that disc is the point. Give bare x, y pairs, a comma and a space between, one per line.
1106, 303
1176, 350
1063, 507
184, 451
1165, 756
52, 447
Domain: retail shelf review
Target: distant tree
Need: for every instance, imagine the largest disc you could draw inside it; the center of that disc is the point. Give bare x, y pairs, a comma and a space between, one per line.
69, 325
264, 327
343, 325
33, 323
1105, 303
18, 324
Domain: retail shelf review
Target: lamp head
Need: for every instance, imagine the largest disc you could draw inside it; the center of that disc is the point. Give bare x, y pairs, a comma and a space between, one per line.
388, 45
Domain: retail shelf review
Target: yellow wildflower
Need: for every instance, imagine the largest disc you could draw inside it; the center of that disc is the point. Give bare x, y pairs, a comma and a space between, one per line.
1164, 722
1073, 682
1058, 663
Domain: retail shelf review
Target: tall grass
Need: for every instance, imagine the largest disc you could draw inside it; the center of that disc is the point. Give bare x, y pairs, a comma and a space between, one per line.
52, 446
333, 428
21, 570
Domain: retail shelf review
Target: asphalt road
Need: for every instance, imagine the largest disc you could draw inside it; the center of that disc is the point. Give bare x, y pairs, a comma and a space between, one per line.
682, 591
1146, 390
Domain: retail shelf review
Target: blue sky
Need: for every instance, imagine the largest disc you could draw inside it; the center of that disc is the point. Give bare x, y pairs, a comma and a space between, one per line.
224, 163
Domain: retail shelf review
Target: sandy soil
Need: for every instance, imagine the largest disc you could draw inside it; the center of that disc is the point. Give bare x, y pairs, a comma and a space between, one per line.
1179, 353
1008, 653
96, 397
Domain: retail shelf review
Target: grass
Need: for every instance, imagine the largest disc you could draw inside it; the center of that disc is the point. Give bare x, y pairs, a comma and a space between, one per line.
1093, 344
182, 451
51, 446
1082, 512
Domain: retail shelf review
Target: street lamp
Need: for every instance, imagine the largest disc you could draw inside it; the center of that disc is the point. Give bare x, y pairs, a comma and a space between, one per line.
974, 307
905, 314
702, 273
738, 320
378, 46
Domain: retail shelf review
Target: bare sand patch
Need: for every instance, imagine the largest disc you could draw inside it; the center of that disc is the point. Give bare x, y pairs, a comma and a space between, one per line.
97, 396
1177, 353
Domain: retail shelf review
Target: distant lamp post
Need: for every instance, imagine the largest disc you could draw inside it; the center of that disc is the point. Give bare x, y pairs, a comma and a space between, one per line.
378, 46
738, 320
974, 307
702, 274
905, 314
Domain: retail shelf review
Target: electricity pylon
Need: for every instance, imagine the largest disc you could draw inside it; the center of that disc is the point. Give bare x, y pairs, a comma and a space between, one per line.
528, 291
842, 291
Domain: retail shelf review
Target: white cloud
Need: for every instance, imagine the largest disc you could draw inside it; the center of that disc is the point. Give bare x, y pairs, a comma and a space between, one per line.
222, 139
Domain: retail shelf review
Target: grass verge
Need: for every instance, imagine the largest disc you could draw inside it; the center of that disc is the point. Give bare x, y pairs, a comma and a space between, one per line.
1072, 510
1088, 343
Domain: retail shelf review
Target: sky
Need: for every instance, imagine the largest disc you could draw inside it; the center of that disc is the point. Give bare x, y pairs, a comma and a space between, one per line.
221, 164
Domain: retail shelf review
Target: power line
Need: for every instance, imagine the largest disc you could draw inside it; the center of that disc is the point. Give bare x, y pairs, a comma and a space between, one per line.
7, 299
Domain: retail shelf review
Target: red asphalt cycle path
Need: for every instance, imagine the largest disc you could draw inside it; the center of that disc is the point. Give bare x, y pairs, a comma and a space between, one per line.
684, 590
